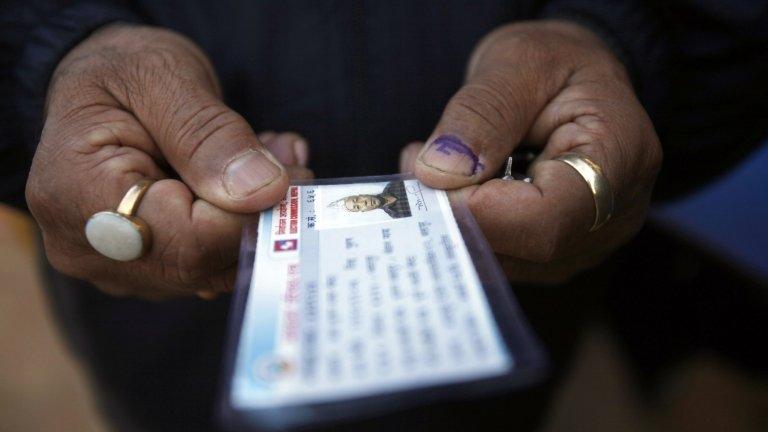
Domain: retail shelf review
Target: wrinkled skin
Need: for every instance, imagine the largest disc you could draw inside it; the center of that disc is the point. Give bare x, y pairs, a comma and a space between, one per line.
555, 86
134, 102
138, 102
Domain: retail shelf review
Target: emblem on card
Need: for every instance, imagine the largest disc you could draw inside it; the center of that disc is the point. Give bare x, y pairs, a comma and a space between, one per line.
285, 245
272, 368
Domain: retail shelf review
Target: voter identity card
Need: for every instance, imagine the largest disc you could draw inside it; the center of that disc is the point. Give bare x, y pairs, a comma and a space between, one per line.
362, 296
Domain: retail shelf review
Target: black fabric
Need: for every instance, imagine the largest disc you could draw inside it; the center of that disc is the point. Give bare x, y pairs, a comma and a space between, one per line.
633, 32
34, 36
400, 207
683, 301
716, 106
360, 79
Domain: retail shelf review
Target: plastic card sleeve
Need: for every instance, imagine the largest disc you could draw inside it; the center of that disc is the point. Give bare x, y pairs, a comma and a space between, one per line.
359, 297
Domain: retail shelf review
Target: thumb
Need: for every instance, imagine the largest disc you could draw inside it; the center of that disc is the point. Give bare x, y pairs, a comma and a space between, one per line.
217, 154
212, 148
488, 117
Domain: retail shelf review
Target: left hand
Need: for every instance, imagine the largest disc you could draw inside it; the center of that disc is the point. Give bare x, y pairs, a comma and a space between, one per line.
554, 85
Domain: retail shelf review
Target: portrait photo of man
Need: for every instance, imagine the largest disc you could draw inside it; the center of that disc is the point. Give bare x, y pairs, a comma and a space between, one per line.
393, 200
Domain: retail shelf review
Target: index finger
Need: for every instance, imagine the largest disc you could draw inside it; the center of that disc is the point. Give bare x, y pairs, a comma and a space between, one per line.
194, 246
193, 243
532, 221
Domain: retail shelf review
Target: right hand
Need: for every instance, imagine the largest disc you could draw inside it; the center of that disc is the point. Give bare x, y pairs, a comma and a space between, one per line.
135, 102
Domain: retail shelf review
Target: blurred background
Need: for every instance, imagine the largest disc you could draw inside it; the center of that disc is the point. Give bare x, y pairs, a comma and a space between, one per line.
691, 360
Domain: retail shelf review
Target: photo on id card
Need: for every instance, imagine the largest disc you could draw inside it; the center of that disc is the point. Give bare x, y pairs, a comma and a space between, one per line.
363, 296
346, 205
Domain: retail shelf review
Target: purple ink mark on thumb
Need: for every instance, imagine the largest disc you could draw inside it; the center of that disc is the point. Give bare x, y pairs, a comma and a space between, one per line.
451, 144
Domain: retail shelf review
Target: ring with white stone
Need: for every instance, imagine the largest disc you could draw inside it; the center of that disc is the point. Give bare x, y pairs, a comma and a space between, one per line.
120, 235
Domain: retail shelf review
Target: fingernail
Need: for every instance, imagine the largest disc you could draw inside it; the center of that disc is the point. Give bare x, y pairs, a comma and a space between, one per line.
448, 154
301, 150
249, 173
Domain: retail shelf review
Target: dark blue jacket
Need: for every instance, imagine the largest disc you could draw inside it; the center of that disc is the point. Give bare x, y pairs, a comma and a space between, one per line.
359, 79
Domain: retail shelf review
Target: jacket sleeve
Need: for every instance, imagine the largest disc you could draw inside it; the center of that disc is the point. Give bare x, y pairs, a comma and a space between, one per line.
34, 36
698, 67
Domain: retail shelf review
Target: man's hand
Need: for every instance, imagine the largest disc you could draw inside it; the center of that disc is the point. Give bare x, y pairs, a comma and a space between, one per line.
553, 85
136, 102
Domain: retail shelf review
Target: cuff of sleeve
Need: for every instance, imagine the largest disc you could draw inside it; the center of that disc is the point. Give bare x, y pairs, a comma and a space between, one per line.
47, 45
631, 34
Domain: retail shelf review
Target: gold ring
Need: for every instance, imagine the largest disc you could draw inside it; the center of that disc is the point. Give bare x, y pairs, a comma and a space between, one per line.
121, 235
598, 185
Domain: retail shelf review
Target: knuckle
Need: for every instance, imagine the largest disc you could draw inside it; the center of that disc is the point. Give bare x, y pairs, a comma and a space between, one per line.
654, 155
157, 58
585, 98
143, 75
135, 77
36, 195
183, 261
517, 42
189, 269
589, 125
71, 94
43, 199
65, 262
597, 130
83, 75
112, 160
